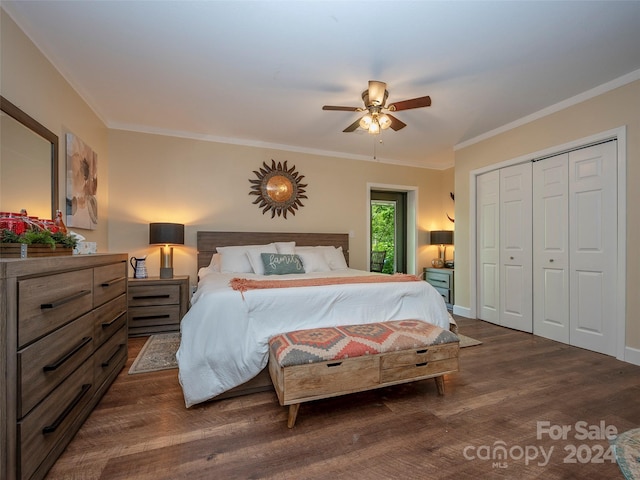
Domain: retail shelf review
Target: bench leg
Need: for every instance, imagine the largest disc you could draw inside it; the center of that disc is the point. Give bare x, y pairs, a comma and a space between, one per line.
440, 384
293, 414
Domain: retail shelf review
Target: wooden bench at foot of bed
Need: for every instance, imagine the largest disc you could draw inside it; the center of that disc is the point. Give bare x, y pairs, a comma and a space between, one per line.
320, 363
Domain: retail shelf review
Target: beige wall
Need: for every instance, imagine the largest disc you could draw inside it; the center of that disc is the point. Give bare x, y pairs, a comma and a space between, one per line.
29, 81
617, 108
205, 185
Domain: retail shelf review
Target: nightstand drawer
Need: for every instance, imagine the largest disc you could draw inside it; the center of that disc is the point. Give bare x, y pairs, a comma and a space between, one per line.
145, 295
438, 279
154, 319
444, 293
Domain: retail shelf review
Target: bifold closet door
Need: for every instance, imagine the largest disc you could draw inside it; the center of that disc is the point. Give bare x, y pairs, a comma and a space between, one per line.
503, 221
551, 248
488, 245
516, 278
593, 244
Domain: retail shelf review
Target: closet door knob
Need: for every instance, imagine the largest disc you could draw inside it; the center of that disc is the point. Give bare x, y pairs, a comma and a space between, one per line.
551, 260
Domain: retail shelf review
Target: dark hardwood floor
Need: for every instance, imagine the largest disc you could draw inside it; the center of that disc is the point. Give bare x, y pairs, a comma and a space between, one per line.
142, 430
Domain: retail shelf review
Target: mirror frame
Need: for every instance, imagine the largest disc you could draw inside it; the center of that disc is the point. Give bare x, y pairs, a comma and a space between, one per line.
10, 109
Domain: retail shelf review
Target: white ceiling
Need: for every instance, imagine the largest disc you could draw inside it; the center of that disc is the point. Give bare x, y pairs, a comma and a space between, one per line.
259, 72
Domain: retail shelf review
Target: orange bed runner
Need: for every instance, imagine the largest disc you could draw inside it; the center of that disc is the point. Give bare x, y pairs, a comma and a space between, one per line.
244, 284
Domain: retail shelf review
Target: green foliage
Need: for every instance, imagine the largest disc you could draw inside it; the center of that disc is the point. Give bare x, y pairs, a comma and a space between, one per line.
383, 232
39, 237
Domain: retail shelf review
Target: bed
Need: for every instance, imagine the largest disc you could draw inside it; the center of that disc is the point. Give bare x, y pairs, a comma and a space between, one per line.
225, 334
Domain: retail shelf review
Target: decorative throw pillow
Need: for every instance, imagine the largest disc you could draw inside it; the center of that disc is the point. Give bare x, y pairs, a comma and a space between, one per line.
281, 264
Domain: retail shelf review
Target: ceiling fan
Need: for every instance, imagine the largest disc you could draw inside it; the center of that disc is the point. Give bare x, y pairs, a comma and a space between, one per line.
376, 118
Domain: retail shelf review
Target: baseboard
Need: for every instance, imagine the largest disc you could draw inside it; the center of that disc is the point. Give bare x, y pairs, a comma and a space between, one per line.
632, 355
462, 311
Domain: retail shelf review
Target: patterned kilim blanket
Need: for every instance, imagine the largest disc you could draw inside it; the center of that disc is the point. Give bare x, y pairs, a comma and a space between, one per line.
244, 284
333, 343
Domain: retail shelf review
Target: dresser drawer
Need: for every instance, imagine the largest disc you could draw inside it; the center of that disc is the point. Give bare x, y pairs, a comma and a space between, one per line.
45, 303
148, 320
47, 362
110, 357
109, 281
47, 426
109, 318
145, 295
438, 279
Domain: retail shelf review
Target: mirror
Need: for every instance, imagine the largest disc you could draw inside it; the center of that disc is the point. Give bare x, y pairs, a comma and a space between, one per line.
28, 164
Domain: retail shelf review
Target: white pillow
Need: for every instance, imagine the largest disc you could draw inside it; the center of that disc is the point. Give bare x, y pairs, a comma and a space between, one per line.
313, 261
255, 258
335, 259
214, 266
286, 248
333, 256
234, 259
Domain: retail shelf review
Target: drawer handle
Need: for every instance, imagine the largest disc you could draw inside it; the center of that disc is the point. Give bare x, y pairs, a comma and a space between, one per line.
112, 282
108, 324
439, 281
62, 301
54, 366
148, 317
421, 364
422, 351
118, 350
52, 428
337, 364
142, 297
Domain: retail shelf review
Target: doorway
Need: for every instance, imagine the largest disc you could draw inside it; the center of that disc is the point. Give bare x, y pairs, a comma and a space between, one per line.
388, 217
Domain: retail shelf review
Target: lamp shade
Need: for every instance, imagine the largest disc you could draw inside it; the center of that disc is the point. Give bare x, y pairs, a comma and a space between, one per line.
442, 237
166, 233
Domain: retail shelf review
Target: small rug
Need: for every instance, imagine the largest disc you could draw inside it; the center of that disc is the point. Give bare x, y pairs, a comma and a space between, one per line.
158, 353
468, 341
627, 449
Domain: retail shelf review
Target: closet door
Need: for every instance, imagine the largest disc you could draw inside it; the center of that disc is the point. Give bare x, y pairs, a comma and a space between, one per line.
516, 298
593, 247
488, 236
551, 248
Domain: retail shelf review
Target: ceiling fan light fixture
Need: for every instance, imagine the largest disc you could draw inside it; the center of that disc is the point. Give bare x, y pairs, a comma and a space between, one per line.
374, 128
384, 121
365, 122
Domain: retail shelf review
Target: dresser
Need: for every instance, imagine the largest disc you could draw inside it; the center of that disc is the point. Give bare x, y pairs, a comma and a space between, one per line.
64, 340
442, 280
156, 305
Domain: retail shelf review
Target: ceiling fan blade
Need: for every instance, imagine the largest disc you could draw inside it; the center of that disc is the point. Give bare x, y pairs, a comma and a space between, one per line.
413, 103
395, 123
342, 109
352, 127
377, 92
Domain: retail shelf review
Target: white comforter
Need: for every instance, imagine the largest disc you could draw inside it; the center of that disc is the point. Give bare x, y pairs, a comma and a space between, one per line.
225, 336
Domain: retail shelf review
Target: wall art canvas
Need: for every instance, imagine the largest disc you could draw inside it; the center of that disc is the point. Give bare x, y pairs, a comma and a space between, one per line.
82, 184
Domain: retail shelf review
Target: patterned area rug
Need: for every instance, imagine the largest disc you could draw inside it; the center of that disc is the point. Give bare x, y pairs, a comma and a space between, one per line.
627, 448
158, 353
468, 341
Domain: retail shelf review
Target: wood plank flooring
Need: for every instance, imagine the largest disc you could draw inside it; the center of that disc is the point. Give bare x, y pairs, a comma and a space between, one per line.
141, 429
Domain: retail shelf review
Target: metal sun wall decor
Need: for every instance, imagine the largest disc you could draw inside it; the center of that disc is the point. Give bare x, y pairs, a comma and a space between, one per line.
278, 189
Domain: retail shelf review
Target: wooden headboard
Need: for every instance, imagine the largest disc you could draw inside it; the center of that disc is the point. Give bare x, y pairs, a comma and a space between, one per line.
208, 241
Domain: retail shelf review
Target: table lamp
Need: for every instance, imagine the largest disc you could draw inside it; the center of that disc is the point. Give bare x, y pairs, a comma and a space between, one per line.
442, 238
166, 234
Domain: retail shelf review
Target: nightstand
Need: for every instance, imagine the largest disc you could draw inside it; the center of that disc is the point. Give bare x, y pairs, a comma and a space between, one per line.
442, 280
156, 305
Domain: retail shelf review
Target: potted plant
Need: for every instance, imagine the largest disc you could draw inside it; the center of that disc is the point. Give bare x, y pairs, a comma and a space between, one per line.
35, 243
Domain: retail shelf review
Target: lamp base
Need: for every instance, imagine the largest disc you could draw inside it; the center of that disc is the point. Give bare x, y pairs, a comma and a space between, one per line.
166, 272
